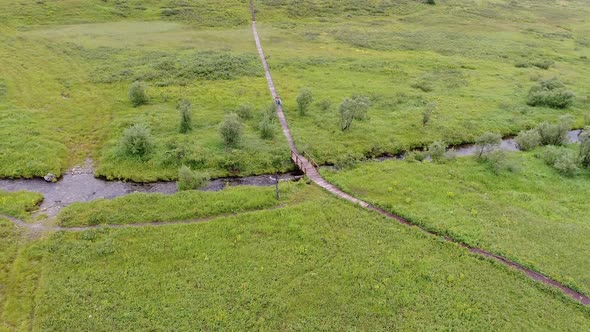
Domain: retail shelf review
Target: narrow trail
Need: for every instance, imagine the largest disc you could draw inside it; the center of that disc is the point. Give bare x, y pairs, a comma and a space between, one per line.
312, 173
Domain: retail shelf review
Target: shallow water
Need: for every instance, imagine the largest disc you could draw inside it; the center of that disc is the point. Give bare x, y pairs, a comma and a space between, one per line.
508, 144
80, 185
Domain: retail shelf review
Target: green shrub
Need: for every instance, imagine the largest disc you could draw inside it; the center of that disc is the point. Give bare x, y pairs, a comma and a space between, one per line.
304, 99
498, 162
551, 93
543, 64
324, 105
423, 85
186, 116
528, 139
231, 130
556, 133
549, 154
266, 129
414, 156
437, 150
244, 112
137, 93
560, 158
487, 143
191, 180
566, 164
137, 141
351, 109
430, 2
347, 161
233, 162
585, 147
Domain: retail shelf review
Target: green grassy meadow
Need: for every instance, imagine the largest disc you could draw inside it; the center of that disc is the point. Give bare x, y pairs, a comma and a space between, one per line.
19, 204
475, 60
64, 88
318, 263
307, 261
534, 216
142, 208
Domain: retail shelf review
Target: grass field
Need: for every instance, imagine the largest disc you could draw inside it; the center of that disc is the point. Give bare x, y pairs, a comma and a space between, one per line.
141, 207
318, 264
307, 261
19, 204
474, 60
64, 88
534, 216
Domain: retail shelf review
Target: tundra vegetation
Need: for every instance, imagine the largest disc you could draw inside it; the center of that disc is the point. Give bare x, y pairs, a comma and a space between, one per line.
103, 79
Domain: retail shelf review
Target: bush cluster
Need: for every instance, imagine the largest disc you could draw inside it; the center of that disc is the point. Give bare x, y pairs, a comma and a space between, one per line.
186, 116
347, 161
585, 147
244, 112
551, 93
546, 134
191, 180
528, 139
562, 159
137, 93
304, 99
136, 141
487, 143
165, 69
231, 130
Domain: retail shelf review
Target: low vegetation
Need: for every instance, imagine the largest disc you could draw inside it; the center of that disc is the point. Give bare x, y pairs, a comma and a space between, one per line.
19, 204
138, 94
551, 93
534, 216
142, 208
191, 180
360, 272
186, 116
137, 141
354, 108
304, 99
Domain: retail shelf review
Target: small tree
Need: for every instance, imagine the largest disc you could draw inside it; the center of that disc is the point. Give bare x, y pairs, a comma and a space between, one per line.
560, 158
585, 147
353, 108
231, 130
556, 133
436, 151
528, 139
244, 112
186, 116
137, 140
137, 93
304, 99
266, 128
191, 180
487, 143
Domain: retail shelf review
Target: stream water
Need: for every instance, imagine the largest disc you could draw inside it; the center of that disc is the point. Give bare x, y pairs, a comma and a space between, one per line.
80, 185
508, 144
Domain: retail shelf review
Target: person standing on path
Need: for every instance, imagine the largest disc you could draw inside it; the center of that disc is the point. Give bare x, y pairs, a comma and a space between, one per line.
278, 100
